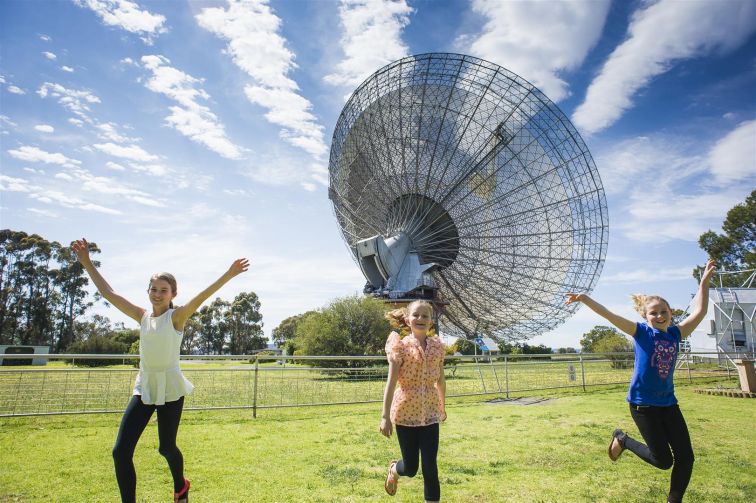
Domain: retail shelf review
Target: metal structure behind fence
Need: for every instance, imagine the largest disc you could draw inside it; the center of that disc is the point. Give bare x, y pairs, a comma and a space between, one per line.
259, 382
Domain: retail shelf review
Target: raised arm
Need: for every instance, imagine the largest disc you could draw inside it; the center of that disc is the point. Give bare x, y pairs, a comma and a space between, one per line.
618, 321
182, 313
388, 397
81, 248
701, 303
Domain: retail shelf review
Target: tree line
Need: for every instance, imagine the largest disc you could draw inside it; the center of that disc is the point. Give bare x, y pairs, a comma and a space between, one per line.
44, 302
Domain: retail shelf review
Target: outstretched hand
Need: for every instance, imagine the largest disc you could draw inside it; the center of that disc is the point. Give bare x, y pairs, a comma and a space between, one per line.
708, 270
239, 266
81, 248
574, 297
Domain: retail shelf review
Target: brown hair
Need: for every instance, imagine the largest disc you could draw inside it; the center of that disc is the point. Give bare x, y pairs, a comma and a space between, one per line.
396, 317
640, 302
165, 276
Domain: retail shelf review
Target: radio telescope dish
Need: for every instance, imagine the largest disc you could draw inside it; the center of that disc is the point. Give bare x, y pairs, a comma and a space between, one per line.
456, 180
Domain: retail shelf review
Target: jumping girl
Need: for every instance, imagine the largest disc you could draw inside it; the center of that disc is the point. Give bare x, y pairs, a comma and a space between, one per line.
653, 405
160, 385
418, 405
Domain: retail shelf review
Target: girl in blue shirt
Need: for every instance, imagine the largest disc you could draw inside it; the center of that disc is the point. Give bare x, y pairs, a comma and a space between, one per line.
653, 404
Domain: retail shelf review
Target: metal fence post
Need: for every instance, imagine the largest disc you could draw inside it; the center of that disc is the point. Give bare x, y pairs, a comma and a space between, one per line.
254, 392
582, 371
493, 367
506, 374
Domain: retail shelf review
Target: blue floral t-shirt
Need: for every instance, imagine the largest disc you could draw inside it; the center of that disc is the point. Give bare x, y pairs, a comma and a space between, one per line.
655, 358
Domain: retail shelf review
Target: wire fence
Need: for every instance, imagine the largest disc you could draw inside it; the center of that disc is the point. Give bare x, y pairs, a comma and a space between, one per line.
266, 381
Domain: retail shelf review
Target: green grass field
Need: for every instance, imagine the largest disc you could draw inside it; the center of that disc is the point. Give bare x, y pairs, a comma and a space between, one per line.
551, 452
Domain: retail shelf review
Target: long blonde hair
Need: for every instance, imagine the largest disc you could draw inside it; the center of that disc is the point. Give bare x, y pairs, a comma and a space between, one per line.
640, 302
396, 317
165, 276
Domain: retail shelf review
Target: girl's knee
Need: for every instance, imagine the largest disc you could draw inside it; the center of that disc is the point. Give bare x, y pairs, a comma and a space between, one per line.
122, 453
169, 452
407, 469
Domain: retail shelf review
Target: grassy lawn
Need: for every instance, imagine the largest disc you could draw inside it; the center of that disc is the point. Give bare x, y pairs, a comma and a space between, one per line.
551, 452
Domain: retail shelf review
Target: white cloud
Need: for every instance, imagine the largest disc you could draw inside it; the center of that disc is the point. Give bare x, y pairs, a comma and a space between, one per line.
6, 120
659, 160
114, 166
67, 201
648, 276
191, 119
76, 122
371, 39
15, 90
150, 169
46, 38
131, 152
49, 55
40, 194
128, 16
663, 216
74, 101
252, 31
111, 187
43, 213
660, 34
44, 128
34, 154
12, 184
733, 158
279, 169
109, 131
538, 40
67, 69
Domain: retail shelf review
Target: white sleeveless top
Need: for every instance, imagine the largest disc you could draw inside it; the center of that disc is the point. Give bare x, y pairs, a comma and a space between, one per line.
160, 379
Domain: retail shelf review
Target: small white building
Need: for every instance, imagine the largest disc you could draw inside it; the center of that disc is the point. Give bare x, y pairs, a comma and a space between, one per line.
23, 350
730, 323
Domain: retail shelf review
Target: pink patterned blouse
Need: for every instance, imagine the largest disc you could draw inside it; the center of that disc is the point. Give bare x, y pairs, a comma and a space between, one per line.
416, 401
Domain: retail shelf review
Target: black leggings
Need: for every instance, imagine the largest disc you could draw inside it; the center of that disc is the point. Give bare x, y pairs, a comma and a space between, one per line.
662, 428
414, 441
133, 423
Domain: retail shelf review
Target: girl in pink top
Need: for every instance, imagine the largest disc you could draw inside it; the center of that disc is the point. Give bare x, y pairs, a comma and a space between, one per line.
417, 406
160, 385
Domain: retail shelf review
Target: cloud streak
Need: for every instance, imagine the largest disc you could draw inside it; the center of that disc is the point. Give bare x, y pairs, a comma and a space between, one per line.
190, 118
76, 102
733, 158
538, 40
659, 35
34, 154
128, 16
255, 45
372, 38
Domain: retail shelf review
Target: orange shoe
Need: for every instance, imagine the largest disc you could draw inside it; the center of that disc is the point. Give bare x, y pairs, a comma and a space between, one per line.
391, 482
183, 495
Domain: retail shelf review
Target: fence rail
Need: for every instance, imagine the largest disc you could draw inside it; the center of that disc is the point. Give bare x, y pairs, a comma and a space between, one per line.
267, 381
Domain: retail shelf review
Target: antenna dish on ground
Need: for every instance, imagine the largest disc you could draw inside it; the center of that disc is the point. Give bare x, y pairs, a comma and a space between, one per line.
454, 179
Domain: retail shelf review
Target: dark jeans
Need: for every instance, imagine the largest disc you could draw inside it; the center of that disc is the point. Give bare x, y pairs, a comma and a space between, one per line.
415, 441
133, 423
664, 428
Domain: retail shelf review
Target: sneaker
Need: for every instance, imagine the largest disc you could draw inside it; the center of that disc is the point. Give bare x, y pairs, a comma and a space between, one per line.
617, 445
183, 495
391, 482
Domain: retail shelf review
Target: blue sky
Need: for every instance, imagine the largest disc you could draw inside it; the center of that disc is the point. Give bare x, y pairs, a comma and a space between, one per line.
182, 135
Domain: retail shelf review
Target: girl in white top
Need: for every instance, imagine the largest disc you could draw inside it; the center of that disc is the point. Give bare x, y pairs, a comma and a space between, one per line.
160, 384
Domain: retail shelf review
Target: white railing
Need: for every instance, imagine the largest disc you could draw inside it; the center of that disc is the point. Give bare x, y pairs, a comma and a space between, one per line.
267, 381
